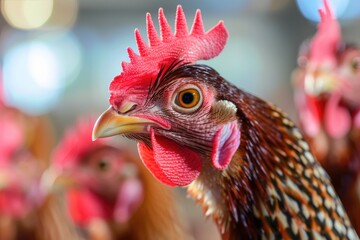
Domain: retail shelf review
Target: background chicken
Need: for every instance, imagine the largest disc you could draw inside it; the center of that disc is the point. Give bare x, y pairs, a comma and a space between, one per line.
242, 159
27, 210
113, 196
327, 84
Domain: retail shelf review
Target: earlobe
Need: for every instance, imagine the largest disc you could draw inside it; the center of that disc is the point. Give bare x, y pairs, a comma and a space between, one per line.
226, 142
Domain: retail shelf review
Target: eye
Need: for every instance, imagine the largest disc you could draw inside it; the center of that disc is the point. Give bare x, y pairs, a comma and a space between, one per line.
103, 165
187, 99
302, 61
355, 64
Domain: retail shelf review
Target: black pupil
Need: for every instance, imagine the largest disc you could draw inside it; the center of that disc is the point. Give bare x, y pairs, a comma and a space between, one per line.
187, 98
103, 165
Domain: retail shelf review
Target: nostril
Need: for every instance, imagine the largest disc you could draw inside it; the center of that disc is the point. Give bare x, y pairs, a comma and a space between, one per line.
127, 107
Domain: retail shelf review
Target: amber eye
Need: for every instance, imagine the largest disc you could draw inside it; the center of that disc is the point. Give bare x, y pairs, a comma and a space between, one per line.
355, 64
188, 99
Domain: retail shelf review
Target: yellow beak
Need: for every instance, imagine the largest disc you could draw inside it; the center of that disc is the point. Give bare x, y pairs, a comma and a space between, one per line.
111, 123
316, 84
53, 180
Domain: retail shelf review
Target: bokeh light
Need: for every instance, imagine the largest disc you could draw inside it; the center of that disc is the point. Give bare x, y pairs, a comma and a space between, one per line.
353, 10
343, 9
64, 14
37, 71
27, 14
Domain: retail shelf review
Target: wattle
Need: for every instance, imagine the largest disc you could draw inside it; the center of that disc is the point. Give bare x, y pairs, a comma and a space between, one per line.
169, 162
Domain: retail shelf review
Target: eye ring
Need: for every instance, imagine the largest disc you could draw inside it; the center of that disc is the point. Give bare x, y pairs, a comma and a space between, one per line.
187, 99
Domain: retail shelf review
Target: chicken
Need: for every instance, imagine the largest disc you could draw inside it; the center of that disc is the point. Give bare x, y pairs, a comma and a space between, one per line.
327, 83
19, 171
241, 158
114, 196
27, 209
26, 212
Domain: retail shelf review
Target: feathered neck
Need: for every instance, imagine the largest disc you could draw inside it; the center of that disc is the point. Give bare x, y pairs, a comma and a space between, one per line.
273, 186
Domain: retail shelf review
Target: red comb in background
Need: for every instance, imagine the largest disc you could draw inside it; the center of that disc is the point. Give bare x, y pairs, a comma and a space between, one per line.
181, 45
327, 38
76, 143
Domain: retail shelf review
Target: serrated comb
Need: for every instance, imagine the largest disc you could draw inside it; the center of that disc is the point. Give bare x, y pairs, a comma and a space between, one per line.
324, 44
162, 49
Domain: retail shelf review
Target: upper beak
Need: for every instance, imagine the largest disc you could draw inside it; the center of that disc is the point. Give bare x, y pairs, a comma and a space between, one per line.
111, 123
318, 83
4, 180
53, 180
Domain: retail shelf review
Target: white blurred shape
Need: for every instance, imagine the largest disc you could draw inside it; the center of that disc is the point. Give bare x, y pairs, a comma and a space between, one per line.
36, 72
27, 14
310, 9
43, 66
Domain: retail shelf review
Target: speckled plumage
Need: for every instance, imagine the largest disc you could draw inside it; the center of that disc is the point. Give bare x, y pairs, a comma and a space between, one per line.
273, 187
326, 94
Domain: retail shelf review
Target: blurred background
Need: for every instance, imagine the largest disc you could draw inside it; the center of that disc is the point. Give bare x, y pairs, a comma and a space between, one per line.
59, 56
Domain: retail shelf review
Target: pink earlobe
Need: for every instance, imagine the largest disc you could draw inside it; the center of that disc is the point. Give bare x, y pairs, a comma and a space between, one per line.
226, 142
129, 199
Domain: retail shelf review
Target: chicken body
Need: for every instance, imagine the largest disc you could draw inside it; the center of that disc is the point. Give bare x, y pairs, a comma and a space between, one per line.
327, 84
26, 211
113, 196
241, 158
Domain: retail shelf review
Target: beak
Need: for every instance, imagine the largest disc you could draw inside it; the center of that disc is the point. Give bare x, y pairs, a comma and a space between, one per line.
111, 123
52, 180
4, 180
318, 83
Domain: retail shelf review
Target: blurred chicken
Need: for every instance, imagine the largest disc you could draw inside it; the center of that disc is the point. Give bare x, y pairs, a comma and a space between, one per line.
27, 210
327, 85
113, 196
241, 158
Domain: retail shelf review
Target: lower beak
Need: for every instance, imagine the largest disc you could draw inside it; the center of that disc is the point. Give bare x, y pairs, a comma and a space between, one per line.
111, 123
316, 84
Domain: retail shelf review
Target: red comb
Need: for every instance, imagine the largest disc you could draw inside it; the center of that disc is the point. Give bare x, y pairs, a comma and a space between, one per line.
327, 38
182, 45
76, 142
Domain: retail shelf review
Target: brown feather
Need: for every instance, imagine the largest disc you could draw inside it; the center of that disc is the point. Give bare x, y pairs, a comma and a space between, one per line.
273, 187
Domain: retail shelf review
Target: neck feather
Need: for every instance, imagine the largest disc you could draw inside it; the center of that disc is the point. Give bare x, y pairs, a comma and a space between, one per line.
273, 187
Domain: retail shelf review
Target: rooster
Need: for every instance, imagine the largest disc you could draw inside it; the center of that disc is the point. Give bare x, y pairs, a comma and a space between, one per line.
326, 94
113, 196
241, 158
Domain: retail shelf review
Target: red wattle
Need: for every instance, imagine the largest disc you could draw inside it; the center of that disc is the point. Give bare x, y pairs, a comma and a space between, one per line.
309, 114
85, 206
337, 119
169, 162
